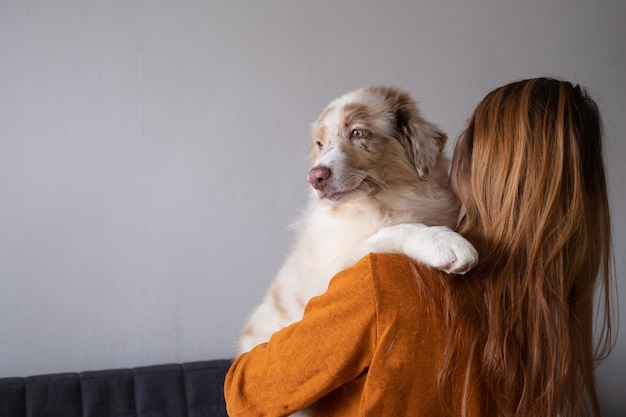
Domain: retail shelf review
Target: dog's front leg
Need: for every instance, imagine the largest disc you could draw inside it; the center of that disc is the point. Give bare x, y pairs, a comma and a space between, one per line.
436, 246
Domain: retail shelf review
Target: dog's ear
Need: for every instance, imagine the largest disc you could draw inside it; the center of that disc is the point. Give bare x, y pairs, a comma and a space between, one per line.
422, 140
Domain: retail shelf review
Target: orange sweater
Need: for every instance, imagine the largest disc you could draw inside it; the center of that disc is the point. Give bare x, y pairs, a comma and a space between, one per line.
369, 346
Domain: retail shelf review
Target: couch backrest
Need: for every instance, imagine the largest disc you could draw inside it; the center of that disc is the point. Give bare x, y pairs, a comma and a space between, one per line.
184, 390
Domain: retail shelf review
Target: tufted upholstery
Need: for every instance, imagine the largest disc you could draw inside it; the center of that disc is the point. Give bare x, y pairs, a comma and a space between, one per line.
185, 390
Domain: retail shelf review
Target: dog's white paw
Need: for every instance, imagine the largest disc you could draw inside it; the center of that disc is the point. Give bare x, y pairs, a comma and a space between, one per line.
441, 248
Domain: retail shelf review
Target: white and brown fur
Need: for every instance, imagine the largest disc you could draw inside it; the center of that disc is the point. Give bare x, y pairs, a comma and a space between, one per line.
379, 184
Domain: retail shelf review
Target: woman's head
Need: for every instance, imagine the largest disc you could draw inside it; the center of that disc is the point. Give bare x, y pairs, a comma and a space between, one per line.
529, 173
530, 161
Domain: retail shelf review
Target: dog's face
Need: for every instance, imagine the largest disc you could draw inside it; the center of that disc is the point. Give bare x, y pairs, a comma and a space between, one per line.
368, 141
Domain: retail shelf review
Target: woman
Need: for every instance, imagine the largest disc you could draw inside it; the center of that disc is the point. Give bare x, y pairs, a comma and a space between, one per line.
513, 337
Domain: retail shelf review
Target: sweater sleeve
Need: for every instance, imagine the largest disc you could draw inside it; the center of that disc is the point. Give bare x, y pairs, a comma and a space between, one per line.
331, 345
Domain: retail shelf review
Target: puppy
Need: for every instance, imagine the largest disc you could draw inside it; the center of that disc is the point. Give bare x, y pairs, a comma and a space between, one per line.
379, 184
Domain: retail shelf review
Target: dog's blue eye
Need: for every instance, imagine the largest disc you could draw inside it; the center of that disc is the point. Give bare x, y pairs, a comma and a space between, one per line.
358, 133
319, 144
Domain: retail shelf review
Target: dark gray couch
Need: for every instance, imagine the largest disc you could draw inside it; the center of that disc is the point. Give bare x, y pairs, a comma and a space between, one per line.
183, 390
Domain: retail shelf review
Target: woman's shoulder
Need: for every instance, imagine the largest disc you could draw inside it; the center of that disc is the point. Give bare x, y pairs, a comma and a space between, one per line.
392, 274
384, 263
388, 261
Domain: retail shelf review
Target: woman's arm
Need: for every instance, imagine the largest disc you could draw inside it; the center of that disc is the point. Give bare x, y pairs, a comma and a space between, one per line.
331, 345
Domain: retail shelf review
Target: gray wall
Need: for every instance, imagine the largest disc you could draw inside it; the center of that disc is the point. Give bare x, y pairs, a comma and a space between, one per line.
153, 153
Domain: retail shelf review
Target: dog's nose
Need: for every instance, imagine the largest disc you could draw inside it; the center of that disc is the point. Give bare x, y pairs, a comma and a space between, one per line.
318, 176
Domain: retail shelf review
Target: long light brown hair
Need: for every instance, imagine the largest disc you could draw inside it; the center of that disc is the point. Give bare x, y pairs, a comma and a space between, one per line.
531, 179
